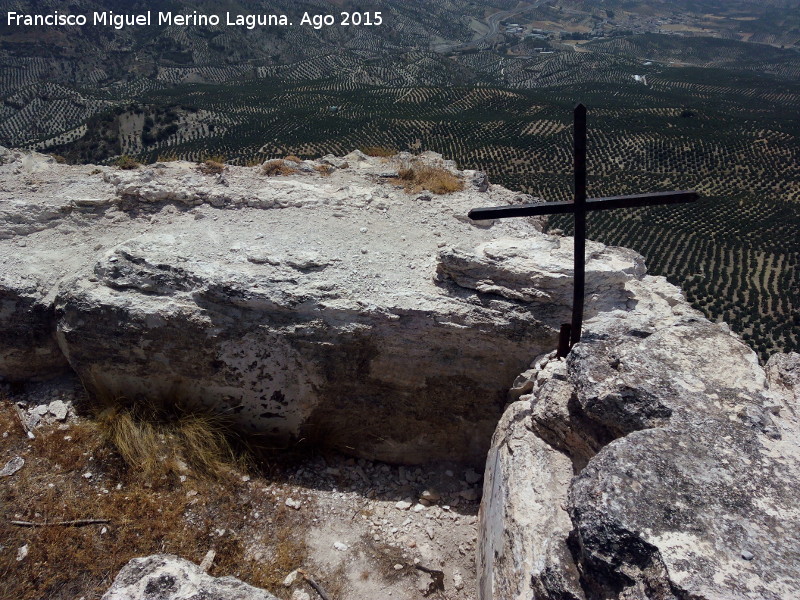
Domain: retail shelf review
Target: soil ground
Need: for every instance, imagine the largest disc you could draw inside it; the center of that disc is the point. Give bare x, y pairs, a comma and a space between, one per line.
357, 527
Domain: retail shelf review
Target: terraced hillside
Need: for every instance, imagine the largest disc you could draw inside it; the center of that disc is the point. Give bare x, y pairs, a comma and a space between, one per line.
727, 126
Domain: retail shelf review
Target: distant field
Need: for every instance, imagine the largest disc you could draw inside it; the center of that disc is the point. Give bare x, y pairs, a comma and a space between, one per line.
729, 131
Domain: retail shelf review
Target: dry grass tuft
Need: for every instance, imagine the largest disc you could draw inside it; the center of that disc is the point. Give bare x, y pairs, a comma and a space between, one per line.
272, 168
127, 163
294, 159
162, 441
212, 167
185, 518
418, 177
324, 170
380, 151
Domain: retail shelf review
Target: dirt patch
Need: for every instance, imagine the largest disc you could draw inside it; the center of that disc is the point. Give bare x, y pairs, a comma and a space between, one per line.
361, 529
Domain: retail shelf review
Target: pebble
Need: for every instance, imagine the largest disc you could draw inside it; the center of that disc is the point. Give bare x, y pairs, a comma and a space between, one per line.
87, 475
300, 595
12, 466
419, 507
458, 580
22, 552
747, 555
398, 567
58, 409
292, 503
471, 494
291, 578
363, 230
472, 477
403, 505
430, 495
363, 251
341, 547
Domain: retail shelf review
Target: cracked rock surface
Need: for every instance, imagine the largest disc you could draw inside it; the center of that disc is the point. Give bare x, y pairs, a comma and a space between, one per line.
341, 307
659, 460
169, 577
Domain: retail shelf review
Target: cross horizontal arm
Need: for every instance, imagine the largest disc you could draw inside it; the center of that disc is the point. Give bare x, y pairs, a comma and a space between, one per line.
556, 208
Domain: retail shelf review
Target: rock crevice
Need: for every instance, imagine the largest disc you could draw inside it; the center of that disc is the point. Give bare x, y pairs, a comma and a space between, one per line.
684, 455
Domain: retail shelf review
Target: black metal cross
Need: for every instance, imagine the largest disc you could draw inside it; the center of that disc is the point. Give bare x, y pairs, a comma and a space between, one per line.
571, 332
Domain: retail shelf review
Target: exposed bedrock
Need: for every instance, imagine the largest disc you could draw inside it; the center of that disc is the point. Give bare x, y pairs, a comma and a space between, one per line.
342, 307
169, 577
658, 461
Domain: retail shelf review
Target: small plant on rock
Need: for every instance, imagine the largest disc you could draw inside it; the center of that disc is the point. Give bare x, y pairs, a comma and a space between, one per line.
438, 180
127, 163
272, 168
380, 151
212, 167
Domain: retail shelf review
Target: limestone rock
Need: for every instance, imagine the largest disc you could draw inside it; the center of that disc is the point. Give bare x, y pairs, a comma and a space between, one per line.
523, 519
685, 463
783, 372
250, 295
169, 577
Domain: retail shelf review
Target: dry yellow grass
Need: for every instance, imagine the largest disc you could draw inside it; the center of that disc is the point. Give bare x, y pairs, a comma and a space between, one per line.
212, 167
276, 167
146, 516
438, 180
380, 151
324, 170
163, 439
127, 163
294, 159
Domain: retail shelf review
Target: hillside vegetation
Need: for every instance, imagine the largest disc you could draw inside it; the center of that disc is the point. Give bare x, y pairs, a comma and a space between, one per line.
665, 112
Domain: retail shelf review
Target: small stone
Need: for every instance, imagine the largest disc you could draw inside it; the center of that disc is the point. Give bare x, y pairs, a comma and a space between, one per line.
747, 555
58, 409
292, 503
429, 531
22, 552
419, 507
12, 466
471, 494
398, 567
291, 578
363, 230
300, 595
87, 475
458, 580
104, 531
341, 547
470, 476
403, 505
430, 495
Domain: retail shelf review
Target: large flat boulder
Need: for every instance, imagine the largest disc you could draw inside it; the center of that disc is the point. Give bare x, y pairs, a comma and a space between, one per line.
169, 577
684, 466
341, 307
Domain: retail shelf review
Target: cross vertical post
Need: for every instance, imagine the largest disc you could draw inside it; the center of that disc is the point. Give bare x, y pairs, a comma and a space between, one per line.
579, 142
